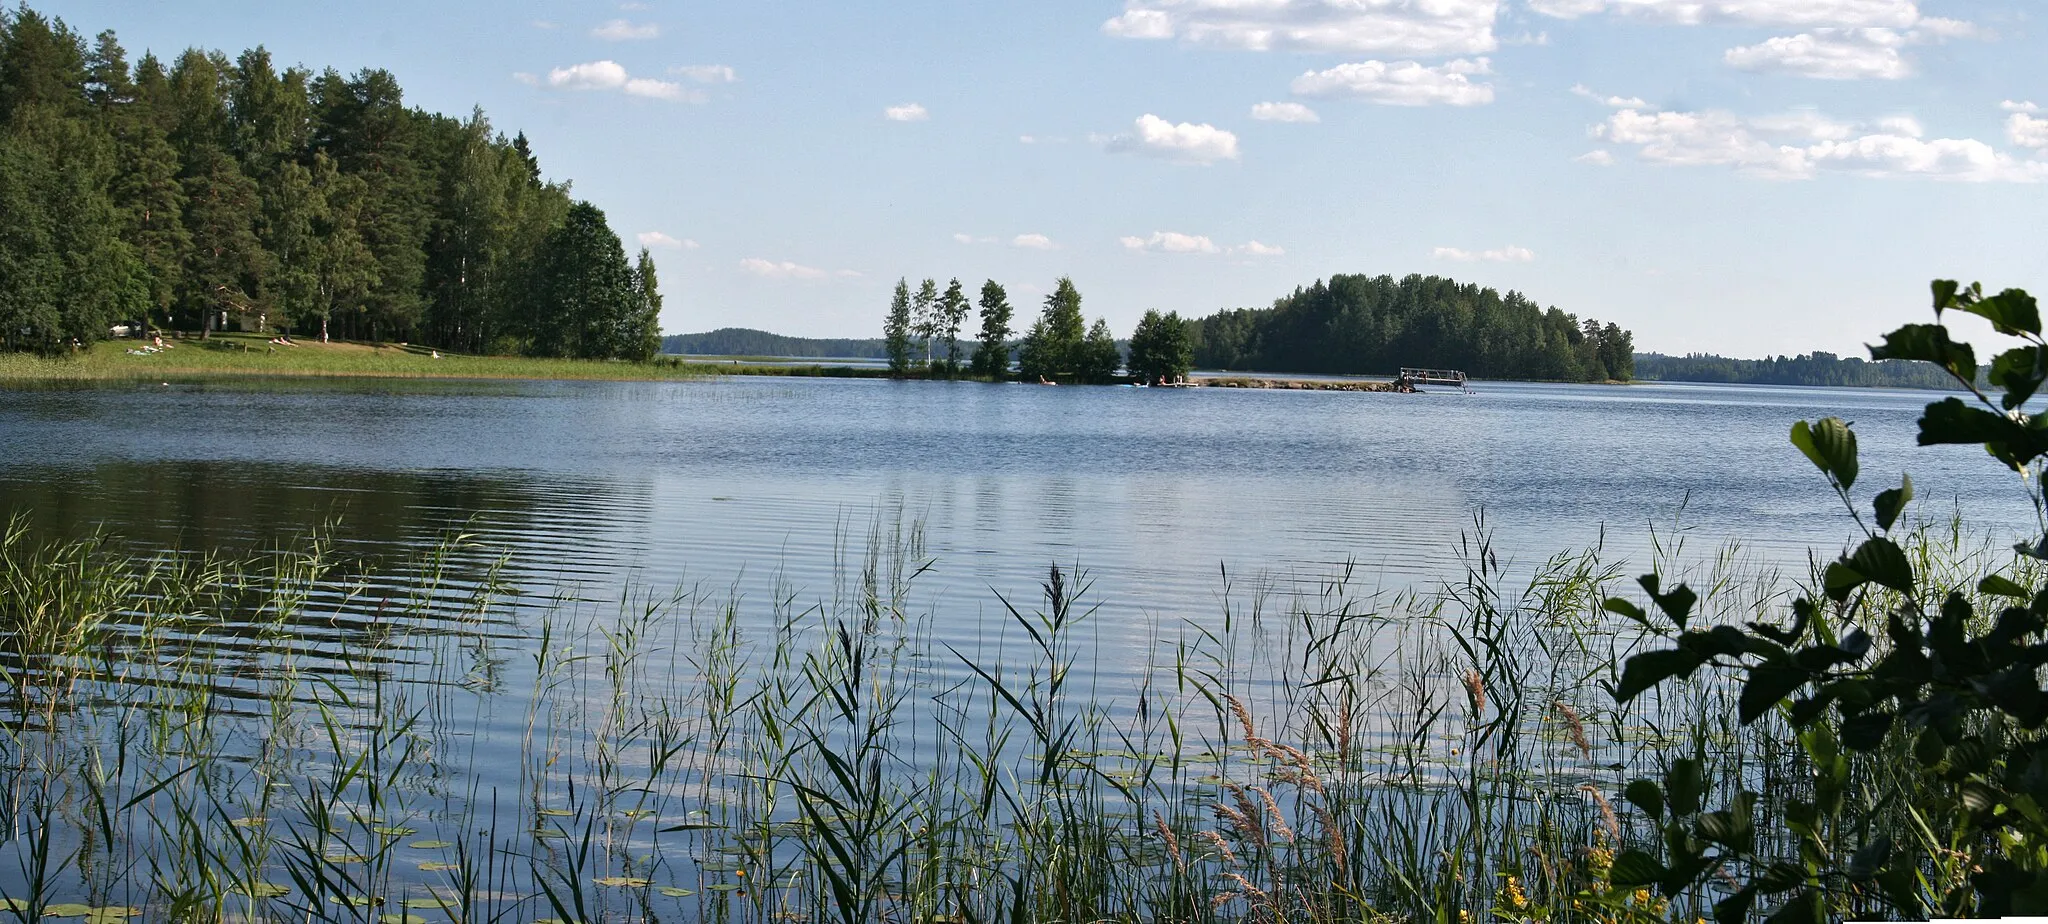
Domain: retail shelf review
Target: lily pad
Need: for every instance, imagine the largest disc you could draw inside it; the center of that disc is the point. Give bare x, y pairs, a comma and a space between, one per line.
431, 845
253, 821
631, 882
436, 866
111, 915
673, 892
396, 831
66, 910
557, 813
401, 919
354, 901
14, 904
264, 890
434, 904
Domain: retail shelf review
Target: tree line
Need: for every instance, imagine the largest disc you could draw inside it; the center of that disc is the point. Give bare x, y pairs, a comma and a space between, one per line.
210, 192
1815, 368
1374, 325
921, 336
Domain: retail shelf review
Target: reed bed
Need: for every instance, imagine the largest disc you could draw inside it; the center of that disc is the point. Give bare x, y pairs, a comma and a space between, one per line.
285, 736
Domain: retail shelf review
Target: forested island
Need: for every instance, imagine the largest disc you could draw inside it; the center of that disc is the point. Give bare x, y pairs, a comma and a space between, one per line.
1374, 325
210, 193
743, 341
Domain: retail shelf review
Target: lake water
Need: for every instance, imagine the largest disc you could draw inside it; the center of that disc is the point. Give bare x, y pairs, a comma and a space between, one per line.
1177, 503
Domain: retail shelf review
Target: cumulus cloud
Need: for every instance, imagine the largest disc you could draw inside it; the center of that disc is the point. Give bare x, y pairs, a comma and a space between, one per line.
706, 73
1895, 14
610, 75
1256, 249
1616, 102
1171, 242
1598, 158
908, 112
1828, 54
1803, 145
1033, 242
1402, 83
1181, 142
1401, 27
619, 30
2011, 106
771, 269
2027, 131
1284, 112
655, 240
1509, 254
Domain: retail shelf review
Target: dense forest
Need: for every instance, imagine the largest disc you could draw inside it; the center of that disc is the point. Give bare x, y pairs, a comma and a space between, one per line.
1374, 325
209, 193
743, 341
1811, 369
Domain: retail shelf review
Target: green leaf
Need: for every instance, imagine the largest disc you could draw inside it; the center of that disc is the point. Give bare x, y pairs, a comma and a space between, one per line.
1951, 421
1633, 869
1865, 731
2018, 373
1650, 668
1620, 607
1686, 783
1735, 908
2011, 312
1945, 295
1645, 795
1677, 604
1869, 859
1891, 502
1831, 445
2000, 585
1882, 560
1768, 686
1840, 580
1929, 343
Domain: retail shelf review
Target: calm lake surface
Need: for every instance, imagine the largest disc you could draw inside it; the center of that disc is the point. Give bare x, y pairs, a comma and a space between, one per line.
1180, 505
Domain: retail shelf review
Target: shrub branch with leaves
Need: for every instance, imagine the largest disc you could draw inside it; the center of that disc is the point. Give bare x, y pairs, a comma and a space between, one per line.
1919, 708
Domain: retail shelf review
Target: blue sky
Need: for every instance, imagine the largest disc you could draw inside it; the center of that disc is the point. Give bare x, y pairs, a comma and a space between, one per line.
1738, 176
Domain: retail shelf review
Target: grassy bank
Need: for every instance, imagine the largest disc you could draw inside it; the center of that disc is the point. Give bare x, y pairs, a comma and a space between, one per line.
251, 355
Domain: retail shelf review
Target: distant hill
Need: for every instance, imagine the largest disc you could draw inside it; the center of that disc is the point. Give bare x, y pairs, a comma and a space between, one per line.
1810, 369
742, 341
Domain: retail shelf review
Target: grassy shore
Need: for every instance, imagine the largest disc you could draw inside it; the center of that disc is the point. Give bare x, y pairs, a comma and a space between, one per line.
237, 355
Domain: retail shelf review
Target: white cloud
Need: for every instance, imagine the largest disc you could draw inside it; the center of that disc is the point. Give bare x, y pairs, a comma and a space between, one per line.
610, 75
1616, 102
1508, 254
1896, 14
771, 269
706, 73
655, 240
1403, 83
2011, 106
1598, 158
544, 24
1181, 142
1033, 242
619, 30
1401, 27
1284, 112
1256, 249
1171, 242
1802, 145
1828, 54
1901, 125
2027, 131
908, 112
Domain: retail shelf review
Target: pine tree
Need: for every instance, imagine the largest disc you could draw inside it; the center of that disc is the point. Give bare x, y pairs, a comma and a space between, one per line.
896, 329
584, 289
225, 260
992, 357
345, 269
952, 313
924, 317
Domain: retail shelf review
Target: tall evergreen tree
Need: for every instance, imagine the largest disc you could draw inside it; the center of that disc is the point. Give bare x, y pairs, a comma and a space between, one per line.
992, 357
1099, 357
952, 313
896, 329
584, 288
226, 259
924, 317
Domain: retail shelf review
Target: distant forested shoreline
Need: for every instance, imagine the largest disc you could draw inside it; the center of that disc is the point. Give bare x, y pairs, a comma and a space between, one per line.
203, 192
745, 341
1817, 368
